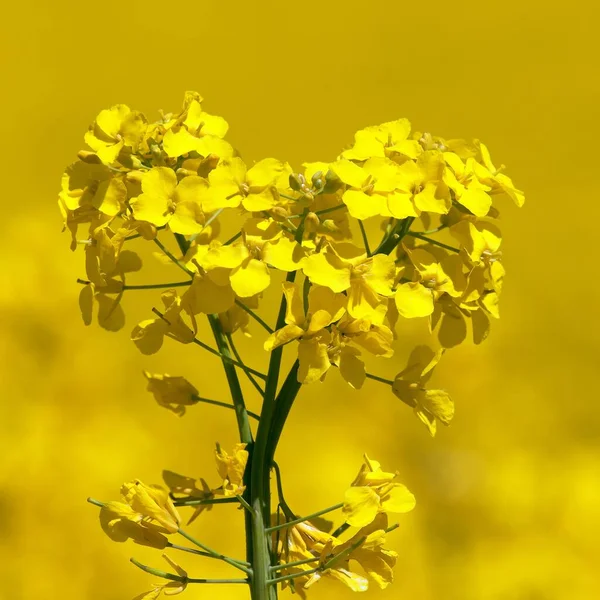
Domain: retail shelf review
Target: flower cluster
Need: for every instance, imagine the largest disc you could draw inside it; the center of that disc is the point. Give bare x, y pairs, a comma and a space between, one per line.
401, 225
180, 175
307, 552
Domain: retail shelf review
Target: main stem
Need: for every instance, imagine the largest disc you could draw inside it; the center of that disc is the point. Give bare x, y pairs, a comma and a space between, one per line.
260, 488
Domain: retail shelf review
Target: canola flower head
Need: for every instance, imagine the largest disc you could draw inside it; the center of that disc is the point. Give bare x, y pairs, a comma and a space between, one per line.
400, 225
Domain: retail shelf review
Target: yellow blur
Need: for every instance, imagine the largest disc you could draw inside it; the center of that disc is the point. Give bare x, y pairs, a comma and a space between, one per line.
507, 497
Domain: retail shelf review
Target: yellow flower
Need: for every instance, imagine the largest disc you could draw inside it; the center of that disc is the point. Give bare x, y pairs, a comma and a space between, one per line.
195, 130
232, 184
305, 541
120, 522
367, 280
469, 191
208, 294
164, 201
430, 406
168, 589
113, 130
174, 393
185, 488
435, 275
421, 187
93, 185
375, 491
148, 335
236, 318
366, 547
231, 469
494, 178
367, 187
153, 503
245, 262
386, 140
324, 308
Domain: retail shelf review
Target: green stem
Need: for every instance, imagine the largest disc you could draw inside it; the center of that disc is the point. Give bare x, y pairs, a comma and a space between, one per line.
198, 501
293, 576
96, 502
364, 237
260, 492
343, 527
181, 578
431, 241
233, 238
322, 212
245, 368
380, 379
307, 518
395, 237
232, 379
296, 563
287, 511
229, 561
283, 404
224, 405
254, 315
167, 253
199, 552
157, 286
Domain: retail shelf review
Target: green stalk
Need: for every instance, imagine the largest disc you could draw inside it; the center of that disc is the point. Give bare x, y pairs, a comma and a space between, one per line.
395, 237
285, 399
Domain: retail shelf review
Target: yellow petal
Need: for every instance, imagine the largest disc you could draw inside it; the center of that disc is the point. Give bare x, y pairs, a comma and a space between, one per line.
413, 300
350, 173
314, 360
432, 199
284, 254
179, 143
250, 278
325, 268
294, 312
361, 505
205, 296
110, 197
398, 500
400, 205
321, 298
476, 200
264, 172
109, 154
282, 336
352, 368
362, 206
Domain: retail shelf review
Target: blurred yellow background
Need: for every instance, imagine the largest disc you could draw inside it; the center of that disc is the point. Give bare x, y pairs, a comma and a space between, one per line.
509, 495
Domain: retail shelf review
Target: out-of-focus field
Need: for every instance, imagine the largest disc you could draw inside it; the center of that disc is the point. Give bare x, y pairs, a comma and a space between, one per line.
509, 495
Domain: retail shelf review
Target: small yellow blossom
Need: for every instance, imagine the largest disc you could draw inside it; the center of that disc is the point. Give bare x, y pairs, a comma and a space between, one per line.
366, 280
93, 185
386, 140
148, 335
121, 523
232, 184
174, 393
469, 191
164, 201
366, 548
231, 469
375, 491
430, 406
435, 275
115, 129
170, 588
153, 503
